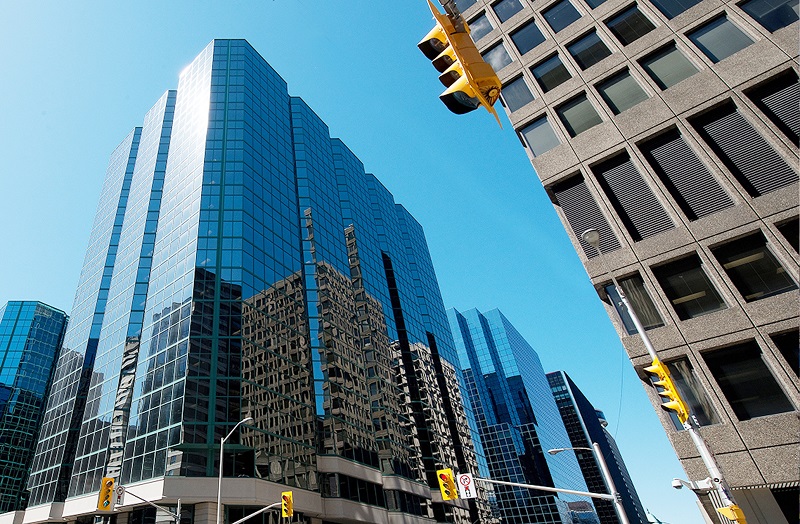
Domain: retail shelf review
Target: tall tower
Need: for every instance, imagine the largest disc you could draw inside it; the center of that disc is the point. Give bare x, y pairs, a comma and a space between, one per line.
517, 417
30, 335
586, 426
243, 265
672, 128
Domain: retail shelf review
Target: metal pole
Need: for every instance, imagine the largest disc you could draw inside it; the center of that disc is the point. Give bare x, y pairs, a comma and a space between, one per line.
221, 457
598, 456
605, 496
262, 510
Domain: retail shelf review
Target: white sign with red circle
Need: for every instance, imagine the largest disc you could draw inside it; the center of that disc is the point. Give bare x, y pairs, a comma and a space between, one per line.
466, 486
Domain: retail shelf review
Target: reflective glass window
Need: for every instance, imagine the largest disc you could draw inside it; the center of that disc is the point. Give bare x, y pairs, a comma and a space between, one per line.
621, 92
746, 381
640, 300
480, 27
594, 3
630, 25
752, 268
516, 94
672, 8
505, 9
788, 344
772, 14
463, 5
588, 50
550, 73
688, 288
719, 39
527, 37
668, 66
692, 392
540, 136
578, 115
561, 15
497, 57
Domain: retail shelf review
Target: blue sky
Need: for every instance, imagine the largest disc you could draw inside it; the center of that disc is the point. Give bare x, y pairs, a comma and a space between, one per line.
78, 76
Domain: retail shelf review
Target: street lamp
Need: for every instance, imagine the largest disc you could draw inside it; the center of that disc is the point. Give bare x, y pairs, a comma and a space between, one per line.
612, 489
221, 448
730, 510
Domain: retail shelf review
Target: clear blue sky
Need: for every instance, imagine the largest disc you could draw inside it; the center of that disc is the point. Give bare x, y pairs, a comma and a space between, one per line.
78, 76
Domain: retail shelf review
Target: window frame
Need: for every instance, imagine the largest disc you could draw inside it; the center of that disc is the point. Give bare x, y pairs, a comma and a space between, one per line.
544, 88
618, 76
685, 260
554, 5
707, 52
580, 39
616, 17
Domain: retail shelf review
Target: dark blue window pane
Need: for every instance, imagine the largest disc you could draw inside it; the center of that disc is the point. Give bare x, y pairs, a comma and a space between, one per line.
516, 94
480, 27
672, 8
772, 14
527, 38
497, 57
505, 9
594, 3
561, 15
630, 25
588, 50
550, 73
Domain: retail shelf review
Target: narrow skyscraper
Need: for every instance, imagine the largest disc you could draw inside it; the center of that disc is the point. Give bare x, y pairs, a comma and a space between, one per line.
518, 419
243, 267
30, 336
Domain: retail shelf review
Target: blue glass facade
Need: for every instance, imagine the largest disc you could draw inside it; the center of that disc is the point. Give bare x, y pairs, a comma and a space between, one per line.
585, 426
517, 418
30, 337
242, 263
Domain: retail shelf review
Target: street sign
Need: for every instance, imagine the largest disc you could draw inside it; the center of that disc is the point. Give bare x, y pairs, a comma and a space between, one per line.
466, 486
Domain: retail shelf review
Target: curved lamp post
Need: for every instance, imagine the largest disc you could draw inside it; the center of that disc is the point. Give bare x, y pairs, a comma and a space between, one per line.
221, 448
612, 489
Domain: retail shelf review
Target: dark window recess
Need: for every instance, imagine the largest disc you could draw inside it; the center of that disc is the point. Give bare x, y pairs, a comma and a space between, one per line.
688, 288
516, 94
505, 9
550, 73
588, 50
754, 271
746, 381
672, 8
527, 37
686, 178
791, 231
787, 500
582, 213
779, 98
632, 198
594, 3
561, 15
772, 14
630, 25
789, 345
692, 392
751, 159
640, 300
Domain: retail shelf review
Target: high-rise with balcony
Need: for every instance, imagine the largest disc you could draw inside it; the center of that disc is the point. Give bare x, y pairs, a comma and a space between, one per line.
243, 265
672, 128
30, 336
518, 421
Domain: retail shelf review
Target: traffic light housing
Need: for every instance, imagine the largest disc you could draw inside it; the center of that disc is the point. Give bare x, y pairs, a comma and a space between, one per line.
447, 484
105, 501
667, 390
470, 81
287, 504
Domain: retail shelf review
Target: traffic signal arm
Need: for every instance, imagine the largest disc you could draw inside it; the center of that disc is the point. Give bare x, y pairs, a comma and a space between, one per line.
668, 391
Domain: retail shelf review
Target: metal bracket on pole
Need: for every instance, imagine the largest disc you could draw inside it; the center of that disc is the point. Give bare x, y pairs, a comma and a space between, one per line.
454, 13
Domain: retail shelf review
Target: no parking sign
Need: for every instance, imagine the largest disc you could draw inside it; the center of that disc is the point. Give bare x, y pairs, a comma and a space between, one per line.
466, 486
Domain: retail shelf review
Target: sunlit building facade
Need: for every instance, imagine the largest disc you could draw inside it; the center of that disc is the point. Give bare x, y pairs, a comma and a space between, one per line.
518, 420
243, 264
671, 127
30, 336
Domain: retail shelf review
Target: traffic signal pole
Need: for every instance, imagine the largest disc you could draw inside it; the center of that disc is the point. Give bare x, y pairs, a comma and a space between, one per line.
731, 511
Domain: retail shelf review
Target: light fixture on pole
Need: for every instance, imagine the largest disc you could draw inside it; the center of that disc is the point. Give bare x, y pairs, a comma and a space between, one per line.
612, 489
221, 448
731, 510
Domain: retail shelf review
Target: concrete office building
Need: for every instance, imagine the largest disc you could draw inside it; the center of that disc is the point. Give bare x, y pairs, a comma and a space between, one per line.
242, 264
671, 126
518, 421
30, 335
586, 426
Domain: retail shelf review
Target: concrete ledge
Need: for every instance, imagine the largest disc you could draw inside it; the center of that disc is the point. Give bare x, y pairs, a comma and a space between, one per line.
45, 513
12, 517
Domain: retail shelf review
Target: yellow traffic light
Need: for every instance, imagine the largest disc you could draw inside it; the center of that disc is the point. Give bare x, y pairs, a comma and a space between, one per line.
470, 81
287, 504
447, 485
668, 391
105, 501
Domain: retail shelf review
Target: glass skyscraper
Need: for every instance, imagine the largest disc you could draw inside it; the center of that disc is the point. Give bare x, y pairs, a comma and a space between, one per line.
585, 426
242, 264
30, 335
517, 418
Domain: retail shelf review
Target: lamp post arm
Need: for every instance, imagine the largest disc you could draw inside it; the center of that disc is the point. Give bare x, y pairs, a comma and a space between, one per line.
262, 510
605, 496
175, 516
601, 461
